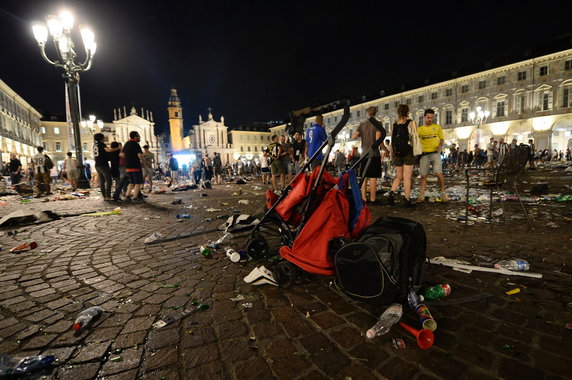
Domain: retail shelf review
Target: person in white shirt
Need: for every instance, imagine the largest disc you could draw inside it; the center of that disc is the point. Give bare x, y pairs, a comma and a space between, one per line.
70, 168
265, 168
41, 173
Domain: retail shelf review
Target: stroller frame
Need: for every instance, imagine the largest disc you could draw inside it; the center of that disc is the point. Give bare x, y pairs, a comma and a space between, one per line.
257, 246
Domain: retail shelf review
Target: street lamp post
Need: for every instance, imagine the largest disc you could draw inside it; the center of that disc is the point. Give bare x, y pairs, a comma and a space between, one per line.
478, 118
59, 28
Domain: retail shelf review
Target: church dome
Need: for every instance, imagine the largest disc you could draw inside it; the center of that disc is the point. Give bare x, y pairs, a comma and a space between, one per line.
174, 98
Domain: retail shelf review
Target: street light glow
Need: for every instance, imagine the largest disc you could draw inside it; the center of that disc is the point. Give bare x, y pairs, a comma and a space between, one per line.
66, 19
40, 31
54, 26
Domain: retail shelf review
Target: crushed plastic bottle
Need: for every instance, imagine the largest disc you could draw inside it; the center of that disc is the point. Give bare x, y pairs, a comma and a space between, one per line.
21, 366
414, 299
154, 237
86, 316
437, 292
519, 265
223, 239
390, 316
205, 251
25, 246
183, 216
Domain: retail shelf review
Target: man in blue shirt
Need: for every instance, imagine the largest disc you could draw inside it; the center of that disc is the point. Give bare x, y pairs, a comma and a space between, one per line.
315, 137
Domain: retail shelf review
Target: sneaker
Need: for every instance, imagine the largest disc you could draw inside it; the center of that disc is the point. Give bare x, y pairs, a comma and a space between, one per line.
117, 200
390, 199
421, 199
137, 201
127, 200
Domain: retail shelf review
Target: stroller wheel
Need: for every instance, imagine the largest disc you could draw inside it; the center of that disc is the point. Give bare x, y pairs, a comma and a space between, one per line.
286, 274
257, 247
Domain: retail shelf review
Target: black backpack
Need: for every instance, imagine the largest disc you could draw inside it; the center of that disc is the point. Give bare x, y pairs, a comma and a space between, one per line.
400, 139
48, 163
384, 263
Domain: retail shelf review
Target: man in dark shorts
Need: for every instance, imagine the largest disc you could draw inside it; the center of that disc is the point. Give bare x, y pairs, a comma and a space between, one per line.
276, 167
133, 156
370, 134
101, 157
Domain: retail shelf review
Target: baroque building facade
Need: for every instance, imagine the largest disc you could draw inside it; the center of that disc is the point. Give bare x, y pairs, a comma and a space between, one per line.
531, 99
19, 126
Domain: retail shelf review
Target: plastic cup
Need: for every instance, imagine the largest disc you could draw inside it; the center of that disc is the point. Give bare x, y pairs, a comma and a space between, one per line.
426, 318
425, 338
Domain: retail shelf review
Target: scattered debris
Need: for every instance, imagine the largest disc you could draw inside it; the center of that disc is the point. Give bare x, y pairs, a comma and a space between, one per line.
261, 276
154, 237
513, 291
239, 297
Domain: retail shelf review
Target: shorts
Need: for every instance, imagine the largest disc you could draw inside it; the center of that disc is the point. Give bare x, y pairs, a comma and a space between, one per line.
135, 178
265, 170
408, 159
72, 174
174, 174
374, 168
277, 167
217, 170
433, 159
148, 172
287, 167
490, 158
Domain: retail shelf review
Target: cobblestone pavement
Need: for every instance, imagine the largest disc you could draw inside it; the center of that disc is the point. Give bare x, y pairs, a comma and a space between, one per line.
307, 331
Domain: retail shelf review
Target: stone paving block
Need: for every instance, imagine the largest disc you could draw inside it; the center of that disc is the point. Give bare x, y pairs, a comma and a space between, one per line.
356, 371
61, 354
131, 358
195, 356
39, 341
91, 351
346, 337
398, 369
127, 375
85, 371
212, 370
368, 353
102, 334
316, 342
161, 358
130, 340
255, 368
12, 329
444, 366
327, 320
297, 327
162, 338
198, 336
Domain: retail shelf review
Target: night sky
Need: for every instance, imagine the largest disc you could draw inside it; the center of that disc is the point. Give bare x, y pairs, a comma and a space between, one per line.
258, 60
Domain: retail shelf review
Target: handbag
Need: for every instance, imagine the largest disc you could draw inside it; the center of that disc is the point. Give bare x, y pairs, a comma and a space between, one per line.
416, 142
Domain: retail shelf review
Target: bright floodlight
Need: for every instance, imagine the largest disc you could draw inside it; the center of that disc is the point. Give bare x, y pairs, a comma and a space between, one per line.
40, 32
472, 115
66, 19
87, 37
55, 26
100, 124
91, 118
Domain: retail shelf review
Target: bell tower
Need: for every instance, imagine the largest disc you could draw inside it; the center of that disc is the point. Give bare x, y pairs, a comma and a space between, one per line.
176, 121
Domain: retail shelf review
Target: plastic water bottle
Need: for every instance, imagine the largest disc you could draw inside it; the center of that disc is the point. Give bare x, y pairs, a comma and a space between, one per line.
414, 299
514, 264
183, 216
437, 292
390, 316
86, 316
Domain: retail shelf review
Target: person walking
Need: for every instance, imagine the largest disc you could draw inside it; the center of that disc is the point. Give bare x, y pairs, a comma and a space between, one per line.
298, 152
41, 172
386, 160
431, 136
208, 165
286, 157
217, 167
503, 150
402, 148
15, 169
370, 134
70, 169
133, 157
491, 153
340, 161
148, 162
101, 157
265, 168
173, 165
315, 137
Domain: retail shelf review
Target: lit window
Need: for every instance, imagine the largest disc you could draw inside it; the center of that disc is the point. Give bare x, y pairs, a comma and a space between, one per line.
448, 117
543, 70
56, 130
501, 108
566, 98
43, 129
464, 115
